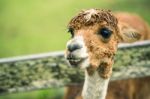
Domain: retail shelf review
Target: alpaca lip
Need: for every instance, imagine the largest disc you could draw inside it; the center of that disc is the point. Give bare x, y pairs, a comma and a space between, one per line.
74, 61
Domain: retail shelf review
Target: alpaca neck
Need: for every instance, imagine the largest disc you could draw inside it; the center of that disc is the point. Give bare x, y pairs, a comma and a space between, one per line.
95, 87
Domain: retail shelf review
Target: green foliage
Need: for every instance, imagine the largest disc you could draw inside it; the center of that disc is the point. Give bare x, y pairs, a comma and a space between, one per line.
133, 57
35, 26
22, 73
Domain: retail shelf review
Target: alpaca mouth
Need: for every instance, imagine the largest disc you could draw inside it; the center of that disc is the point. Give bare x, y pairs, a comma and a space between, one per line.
76, 61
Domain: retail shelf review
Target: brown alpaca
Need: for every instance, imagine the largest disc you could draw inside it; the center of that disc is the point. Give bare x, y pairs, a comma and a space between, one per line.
95, 36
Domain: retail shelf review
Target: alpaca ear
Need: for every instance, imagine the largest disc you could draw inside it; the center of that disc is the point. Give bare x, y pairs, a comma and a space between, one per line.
128, 34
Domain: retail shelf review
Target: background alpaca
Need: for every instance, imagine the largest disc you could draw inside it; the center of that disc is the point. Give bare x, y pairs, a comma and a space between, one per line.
95, 36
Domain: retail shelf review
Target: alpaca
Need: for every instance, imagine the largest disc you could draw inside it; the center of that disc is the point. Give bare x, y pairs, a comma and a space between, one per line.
95, 35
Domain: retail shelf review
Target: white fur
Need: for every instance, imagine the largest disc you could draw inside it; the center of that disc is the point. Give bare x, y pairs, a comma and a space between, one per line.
89, 14
95, 87
80, 53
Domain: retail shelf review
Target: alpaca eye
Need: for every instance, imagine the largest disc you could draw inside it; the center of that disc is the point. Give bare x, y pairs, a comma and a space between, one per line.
105, 33
71, 31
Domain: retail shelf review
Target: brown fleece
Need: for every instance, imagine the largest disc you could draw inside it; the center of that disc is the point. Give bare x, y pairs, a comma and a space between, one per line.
79, 21
100, 53
134, 21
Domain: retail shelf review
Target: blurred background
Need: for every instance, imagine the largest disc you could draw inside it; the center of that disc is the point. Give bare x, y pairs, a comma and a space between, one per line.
38, 26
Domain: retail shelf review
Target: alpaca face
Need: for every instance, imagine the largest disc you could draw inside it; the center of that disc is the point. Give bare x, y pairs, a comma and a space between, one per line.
95, 36
94, 39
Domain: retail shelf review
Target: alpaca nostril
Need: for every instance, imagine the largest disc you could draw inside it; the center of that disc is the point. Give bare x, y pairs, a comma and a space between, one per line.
73, 47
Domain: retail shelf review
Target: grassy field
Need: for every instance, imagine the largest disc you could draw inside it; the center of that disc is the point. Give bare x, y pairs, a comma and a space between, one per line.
56, 93
36, 26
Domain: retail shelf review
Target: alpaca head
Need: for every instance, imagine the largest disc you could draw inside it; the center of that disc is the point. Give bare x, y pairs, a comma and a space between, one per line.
95, 35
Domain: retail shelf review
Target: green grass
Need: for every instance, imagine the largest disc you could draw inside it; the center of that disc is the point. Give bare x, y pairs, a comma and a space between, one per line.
36, 26
56, 93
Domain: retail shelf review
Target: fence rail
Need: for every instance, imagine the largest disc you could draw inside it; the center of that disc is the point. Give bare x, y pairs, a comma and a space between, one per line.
61, 53
47, 70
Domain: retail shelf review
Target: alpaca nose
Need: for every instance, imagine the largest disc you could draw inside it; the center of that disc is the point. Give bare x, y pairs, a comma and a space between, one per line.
73, 47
